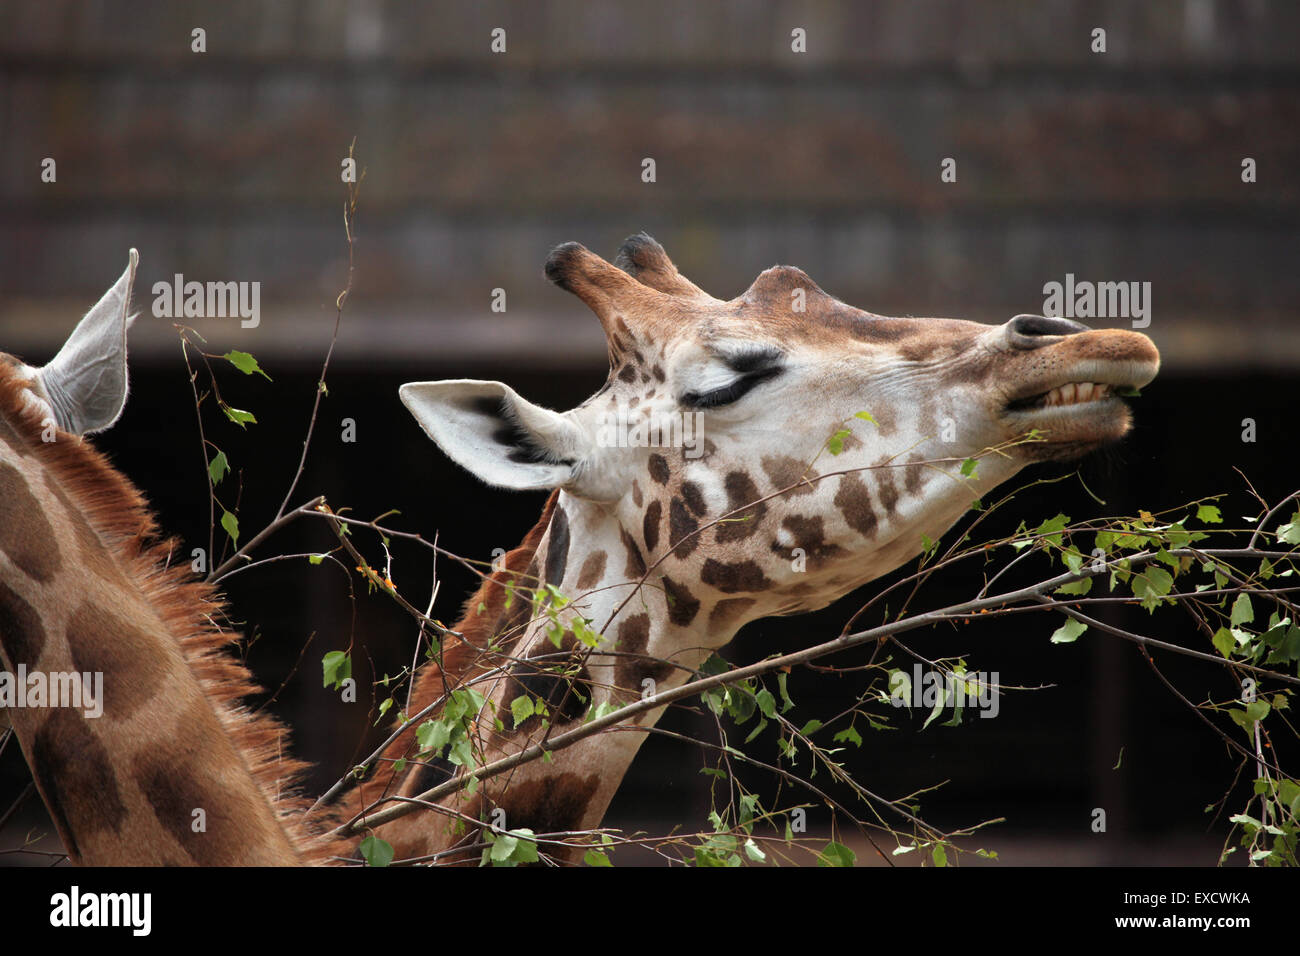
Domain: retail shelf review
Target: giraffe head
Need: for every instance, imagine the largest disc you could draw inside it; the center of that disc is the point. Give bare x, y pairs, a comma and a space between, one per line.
83, 388
729, 411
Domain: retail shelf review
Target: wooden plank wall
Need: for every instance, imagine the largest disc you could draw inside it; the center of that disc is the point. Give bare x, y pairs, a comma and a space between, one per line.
224, 165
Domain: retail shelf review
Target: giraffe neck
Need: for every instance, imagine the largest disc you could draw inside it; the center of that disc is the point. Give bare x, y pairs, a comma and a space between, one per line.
655, 634
653, 641
160, 764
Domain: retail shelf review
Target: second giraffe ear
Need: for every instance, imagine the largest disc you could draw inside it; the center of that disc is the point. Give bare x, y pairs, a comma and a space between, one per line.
490, 430
85, 384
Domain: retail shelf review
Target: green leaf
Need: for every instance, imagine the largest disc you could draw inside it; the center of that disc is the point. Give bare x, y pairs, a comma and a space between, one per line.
1151, 585
968, 468
781, 680
1245, 719
866, 417
461, 754
1068, 632
1052, 527
376, 852
521, 708
504, 847
337, 667
812, 726
1080, 587
835, 444
433, 735
938, 855
836, 854
231, 525
848, 735
1290, 533
315, 558
1224, 642
238, 415
753, 852
596, 858
218, 467
766, 703
940, 701
245, 363
1243, 612
1209, 514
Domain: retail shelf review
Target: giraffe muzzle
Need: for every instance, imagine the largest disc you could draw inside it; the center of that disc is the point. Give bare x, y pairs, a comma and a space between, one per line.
1072, 380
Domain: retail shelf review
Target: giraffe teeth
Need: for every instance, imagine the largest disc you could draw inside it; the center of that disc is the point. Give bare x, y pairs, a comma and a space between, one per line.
1074, 393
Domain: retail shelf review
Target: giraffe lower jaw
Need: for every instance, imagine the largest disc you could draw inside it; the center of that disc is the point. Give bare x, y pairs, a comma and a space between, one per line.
1066, 428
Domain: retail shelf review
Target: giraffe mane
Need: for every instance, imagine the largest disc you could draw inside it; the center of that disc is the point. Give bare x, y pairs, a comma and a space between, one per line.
463, 657
188, 607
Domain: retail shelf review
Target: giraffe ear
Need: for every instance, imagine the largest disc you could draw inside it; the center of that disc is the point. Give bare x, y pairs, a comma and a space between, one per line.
488, 429
86, 382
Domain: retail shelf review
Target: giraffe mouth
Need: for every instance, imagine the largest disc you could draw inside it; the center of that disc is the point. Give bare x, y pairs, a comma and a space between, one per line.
1071, 393
1079, 408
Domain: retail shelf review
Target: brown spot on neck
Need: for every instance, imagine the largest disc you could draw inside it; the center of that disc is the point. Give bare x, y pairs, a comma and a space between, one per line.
592, 570
237, 828
726, 612
854, 501
658, 468
682, 526
682, 604
731, 578
556, 803
557, 547
650, 526
635, 567
694, 498
25, 533
134, 671
913, 478
886, 489
741, 491
634, 639
807, 533
22, 635
76, 780
786, 472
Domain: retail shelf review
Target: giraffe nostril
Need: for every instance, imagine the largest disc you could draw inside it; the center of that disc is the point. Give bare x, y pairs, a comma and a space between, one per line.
1032, 331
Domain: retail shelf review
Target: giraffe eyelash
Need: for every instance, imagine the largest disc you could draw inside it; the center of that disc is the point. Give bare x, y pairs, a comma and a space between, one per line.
716, 398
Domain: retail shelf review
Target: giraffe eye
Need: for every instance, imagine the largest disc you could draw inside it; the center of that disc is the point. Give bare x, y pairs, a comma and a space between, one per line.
754, 369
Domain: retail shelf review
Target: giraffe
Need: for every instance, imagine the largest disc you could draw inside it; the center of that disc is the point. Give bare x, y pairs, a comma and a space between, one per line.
666, 552
172, 769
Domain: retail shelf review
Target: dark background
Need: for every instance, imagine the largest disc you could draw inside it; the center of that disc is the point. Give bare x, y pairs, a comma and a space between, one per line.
1119, 166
